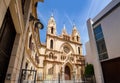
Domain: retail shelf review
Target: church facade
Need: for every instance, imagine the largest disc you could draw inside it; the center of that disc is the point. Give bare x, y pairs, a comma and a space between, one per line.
61, 56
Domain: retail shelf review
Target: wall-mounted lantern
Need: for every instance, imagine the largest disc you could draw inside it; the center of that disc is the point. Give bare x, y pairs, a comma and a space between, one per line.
38, 24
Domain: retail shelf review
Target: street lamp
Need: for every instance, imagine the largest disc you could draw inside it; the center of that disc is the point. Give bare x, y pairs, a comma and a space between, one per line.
38, 24
74, 76
58, 77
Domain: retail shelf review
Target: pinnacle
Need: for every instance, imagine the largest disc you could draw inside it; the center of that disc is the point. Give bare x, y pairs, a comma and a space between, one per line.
64, 30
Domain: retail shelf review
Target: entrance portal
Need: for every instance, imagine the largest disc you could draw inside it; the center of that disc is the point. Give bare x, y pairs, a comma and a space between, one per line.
7, 37
67, 73
111, 70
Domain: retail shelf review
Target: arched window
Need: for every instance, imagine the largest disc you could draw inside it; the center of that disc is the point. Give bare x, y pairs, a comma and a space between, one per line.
79, 50
51, 30
30, 42
72, 38
26, 65
51, 44
36, 58
51, 55
77, 38
61, 57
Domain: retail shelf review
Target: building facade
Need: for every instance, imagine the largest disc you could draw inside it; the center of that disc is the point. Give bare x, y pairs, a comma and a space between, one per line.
14, 23
61, 56
104, 41
22, 56
88, 57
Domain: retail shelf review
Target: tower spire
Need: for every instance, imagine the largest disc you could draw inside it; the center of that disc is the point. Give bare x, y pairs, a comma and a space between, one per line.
75, 34
64, 32
74, 27
52, 14
51, 25
64, 27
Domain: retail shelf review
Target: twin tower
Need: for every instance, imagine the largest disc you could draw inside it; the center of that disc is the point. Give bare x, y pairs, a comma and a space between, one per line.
51, 30
63, 54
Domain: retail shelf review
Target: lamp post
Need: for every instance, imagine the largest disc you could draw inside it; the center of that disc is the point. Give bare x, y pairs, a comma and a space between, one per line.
74, 76
58, 77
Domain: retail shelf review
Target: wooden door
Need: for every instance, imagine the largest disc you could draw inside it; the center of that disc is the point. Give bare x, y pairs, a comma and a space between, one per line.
111, 70
67, 73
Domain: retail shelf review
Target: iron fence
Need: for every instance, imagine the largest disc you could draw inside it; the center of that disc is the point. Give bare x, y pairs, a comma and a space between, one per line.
28, 76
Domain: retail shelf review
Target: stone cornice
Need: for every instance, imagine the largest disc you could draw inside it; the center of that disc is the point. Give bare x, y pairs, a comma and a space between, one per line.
58, 62
44, 55
40, 67
78, 55
60, 38
53, 50
43, 45
77, 64
62, 52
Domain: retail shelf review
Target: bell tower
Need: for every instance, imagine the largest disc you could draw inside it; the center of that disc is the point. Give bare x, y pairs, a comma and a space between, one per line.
51, 28
75, 34
51, 32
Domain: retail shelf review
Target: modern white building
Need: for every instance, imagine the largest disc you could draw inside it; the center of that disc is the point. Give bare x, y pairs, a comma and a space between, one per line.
89, 57
104, 31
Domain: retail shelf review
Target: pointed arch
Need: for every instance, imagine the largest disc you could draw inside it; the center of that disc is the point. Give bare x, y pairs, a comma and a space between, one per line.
51, 55
68, 68
69, 64
52, 30
77, 38
30, 42
78, 50
67, 73
51, 44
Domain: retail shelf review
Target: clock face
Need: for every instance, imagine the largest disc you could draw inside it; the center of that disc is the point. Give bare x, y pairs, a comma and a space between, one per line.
66, 49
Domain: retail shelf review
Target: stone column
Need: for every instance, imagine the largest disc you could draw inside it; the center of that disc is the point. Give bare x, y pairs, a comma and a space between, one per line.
44, 71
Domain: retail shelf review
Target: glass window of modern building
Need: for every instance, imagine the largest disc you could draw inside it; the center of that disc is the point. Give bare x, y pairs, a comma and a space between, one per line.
100, 42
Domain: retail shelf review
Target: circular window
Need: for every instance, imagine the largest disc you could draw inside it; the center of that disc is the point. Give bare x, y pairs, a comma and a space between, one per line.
66, 49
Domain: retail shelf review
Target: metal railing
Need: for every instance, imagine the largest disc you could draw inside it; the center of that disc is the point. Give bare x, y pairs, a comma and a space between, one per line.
28, 76
63, 81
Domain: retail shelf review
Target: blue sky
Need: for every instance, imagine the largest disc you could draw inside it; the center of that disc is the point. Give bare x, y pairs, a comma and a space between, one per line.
69, 12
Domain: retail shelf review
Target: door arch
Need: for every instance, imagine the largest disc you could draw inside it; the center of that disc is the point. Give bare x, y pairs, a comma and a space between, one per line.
67, 73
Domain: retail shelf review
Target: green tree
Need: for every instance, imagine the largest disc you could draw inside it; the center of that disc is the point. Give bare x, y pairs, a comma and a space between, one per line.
89, 70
